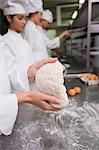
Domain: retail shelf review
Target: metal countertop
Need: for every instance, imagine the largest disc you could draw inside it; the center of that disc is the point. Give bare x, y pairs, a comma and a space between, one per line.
74, 128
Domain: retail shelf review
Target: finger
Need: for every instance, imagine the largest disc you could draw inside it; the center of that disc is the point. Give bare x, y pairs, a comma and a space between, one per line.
68, 31
47, 106
51, 99
56, 109
50, 60
45, 61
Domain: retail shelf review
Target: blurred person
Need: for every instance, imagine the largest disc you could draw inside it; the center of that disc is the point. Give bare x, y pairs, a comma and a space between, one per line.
46, 21
17, 48
31, 32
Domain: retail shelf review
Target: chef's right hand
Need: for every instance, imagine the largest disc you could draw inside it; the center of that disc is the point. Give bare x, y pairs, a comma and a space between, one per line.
43, 101
65, 33
38, 99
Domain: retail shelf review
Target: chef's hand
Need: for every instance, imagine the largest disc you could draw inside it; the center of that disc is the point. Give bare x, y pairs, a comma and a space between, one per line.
39, 99
43, 101
65, 33
33, 68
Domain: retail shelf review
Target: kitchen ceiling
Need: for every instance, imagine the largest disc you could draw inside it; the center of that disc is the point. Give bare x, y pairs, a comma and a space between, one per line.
65, 8
66, 12
53, 3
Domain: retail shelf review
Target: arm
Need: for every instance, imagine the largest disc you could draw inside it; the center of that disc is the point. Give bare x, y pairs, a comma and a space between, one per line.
54, 43
65, 33
38, 99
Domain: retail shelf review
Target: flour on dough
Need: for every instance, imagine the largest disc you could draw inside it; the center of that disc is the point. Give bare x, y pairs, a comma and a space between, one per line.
49, 80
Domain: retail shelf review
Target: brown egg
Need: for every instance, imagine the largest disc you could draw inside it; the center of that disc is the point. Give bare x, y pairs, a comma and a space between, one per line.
96, 78
77, 90
88, 76
71, 92
92, 77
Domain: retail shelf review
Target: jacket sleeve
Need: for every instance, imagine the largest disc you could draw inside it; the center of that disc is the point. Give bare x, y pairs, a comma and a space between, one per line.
54, 43
8, 113
19, 79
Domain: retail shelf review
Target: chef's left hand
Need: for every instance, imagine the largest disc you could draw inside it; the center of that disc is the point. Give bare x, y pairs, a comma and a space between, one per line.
34, 67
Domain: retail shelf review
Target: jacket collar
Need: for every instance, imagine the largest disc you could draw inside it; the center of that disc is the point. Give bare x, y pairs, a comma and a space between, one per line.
18, 35
32, 23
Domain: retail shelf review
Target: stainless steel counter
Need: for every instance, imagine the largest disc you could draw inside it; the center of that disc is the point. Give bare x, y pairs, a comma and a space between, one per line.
74, 128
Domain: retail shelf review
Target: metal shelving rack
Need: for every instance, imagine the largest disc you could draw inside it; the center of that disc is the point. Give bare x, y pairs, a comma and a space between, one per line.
93, 27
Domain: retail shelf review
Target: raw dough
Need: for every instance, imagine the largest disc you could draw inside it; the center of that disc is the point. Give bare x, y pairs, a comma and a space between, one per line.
49, 80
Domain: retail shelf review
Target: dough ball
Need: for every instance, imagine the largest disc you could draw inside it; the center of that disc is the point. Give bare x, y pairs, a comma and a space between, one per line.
49, 80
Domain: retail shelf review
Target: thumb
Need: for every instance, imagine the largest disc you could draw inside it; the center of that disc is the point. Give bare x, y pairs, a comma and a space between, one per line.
50, 60
45, 61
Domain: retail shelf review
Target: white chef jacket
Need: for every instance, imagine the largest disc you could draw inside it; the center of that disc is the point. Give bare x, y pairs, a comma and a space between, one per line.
8, 101
33, 35
19, 57
50, 43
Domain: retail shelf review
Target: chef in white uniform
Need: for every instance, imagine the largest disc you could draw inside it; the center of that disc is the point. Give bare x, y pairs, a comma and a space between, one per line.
16, 48
31, 32
47, 19
9, 101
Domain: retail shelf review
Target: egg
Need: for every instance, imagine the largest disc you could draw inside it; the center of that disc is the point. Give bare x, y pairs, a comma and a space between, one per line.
77, 90
96, 78
71, 92
88, 76
91, 77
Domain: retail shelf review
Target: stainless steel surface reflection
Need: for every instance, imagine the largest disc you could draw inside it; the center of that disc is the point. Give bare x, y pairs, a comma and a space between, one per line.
74, 128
